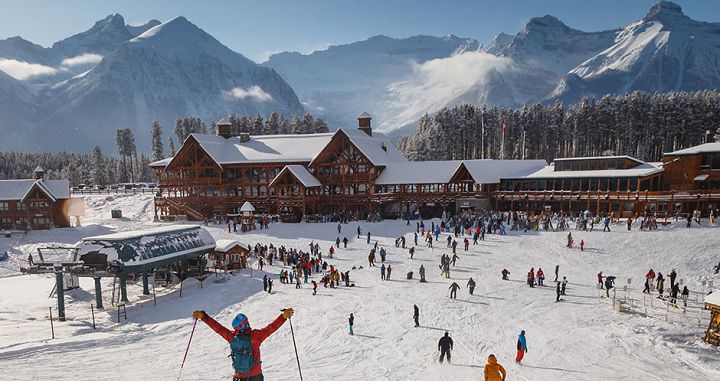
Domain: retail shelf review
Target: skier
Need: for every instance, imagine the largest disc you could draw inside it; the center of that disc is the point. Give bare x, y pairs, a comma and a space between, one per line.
674, 290
564, 284
270, 282
422, 274
265, 282
339, 228
314, 283
351, 320
540, 276
368, 238
609, 284
557, 292
245, 342
416, 236
453, 290
383, 253
557, 270
388, 272
471, 285
467, 244
445, 345
660, 284
531, 278
672, 277
382, 272
717, 268
416, 315
454, 258
569, 240
582, 245
685, 295
606, 223
600, 280
412, 252
649, 280
358, 230
494, 371
345, 242
521, 348
337, 242
505, 274
449, 242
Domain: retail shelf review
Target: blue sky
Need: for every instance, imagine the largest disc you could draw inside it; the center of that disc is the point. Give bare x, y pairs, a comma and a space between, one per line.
257, 28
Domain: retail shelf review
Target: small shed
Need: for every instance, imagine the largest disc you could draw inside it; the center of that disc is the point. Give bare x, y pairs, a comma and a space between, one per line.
247, 216
230, 254
712, 301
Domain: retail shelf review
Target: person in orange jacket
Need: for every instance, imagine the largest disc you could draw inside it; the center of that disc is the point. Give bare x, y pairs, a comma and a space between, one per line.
247, 366
493, 370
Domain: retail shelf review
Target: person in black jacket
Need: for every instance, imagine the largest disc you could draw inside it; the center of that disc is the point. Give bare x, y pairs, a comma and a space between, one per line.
351, 321
445, 345
416, 315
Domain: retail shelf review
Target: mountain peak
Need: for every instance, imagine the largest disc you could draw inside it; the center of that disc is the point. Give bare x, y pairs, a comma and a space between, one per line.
664, 9
546, 21
112, 21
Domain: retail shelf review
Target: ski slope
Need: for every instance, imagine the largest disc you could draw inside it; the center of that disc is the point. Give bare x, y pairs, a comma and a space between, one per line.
580, 338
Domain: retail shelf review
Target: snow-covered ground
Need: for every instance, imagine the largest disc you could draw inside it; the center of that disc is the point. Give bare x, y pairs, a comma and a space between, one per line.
580, 338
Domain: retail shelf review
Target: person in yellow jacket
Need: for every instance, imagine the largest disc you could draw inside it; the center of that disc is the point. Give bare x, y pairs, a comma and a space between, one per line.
493, 370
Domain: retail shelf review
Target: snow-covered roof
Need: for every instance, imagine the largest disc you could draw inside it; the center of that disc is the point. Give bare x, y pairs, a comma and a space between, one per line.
225, 245
161, 163
491, 171
418, 172
702, 148
247, 207
364, 115
440, 172
19, 189
549, 172
39, 168
298, 148
301, 174
377, 148
147, 248
701, 177
263, 148
599, 158
713, 298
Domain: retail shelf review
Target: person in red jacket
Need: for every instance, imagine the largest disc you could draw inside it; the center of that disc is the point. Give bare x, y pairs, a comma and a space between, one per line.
241, 331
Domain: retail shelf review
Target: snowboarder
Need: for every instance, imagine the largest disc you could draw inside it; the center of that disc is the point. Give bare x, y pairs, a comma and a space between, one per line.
245, 342
453, 290
471, 285
445, 345
521, 348
505, 274
416, 315
422, 274
494, 371
351, 321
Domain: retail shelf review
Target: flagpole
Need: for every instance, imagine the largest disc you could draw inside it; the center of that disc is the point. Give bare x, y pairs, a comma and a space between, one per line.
482, 136
502, 143
523, 145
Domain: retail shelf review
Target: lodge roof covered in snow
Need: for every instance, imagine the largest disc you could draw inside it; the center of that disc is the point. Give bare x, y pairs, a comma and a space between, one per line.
18, 190
225, 245
702, 148
301, 174
713, 298
294, 148
440, 172
549, 172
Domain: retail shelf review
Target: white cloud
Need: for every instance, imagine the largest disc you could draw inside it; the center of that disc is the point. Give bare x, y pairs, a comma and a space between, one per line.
83, 59
435, 83
23, 70
253, 92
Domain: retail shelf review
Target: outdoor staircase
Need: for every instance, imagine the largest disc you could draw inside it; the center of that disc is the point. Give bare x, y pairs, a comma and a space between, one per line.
175, 208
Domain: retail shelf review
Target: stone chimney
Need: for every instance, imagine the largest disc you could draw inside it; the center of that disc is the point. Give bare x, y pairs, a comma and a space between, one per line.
244, 137
364, 123
39, 173
224, 128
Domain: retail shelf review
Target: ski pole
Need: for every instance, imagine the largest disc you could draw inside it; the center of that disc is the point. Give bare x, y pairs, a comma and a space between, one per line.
292, 332
187, 349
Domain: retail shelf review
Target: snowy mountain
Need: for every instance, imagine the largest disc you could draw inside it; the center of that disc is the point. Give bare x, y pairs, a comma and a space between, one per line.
665, 51
344, 80
169, 70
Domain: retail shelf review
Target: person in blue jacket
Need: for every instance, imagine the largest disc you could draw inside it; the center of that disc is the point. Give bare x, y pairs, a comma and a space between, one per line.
521, 347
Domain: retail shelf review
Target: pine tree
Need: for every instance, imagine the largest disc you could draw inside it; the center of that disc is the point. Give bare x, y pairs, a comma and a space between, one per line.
157, 144
98, 167
171, 146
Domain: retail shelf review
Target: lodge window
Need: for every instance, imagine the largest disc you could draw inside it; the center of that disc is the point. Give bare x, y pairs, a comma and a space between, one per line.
21, 222
710, 161
6, 221
4, 206
40, 221
38, 205
21, 206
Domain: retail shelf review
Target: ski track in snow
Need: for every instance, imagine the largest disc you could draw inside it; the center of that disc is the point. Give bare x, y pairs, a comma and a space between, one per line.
580, 338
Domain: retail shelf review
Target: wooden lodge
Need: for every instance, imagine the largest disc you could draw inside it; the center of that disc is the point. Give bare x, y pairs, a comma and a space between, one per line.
359, 171
34, 203
712, 335
229, 255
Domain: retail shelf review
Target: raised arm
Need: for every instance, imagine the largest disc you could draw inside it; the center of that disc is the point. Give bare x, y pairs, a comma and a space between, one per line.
214, 325
261, 334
